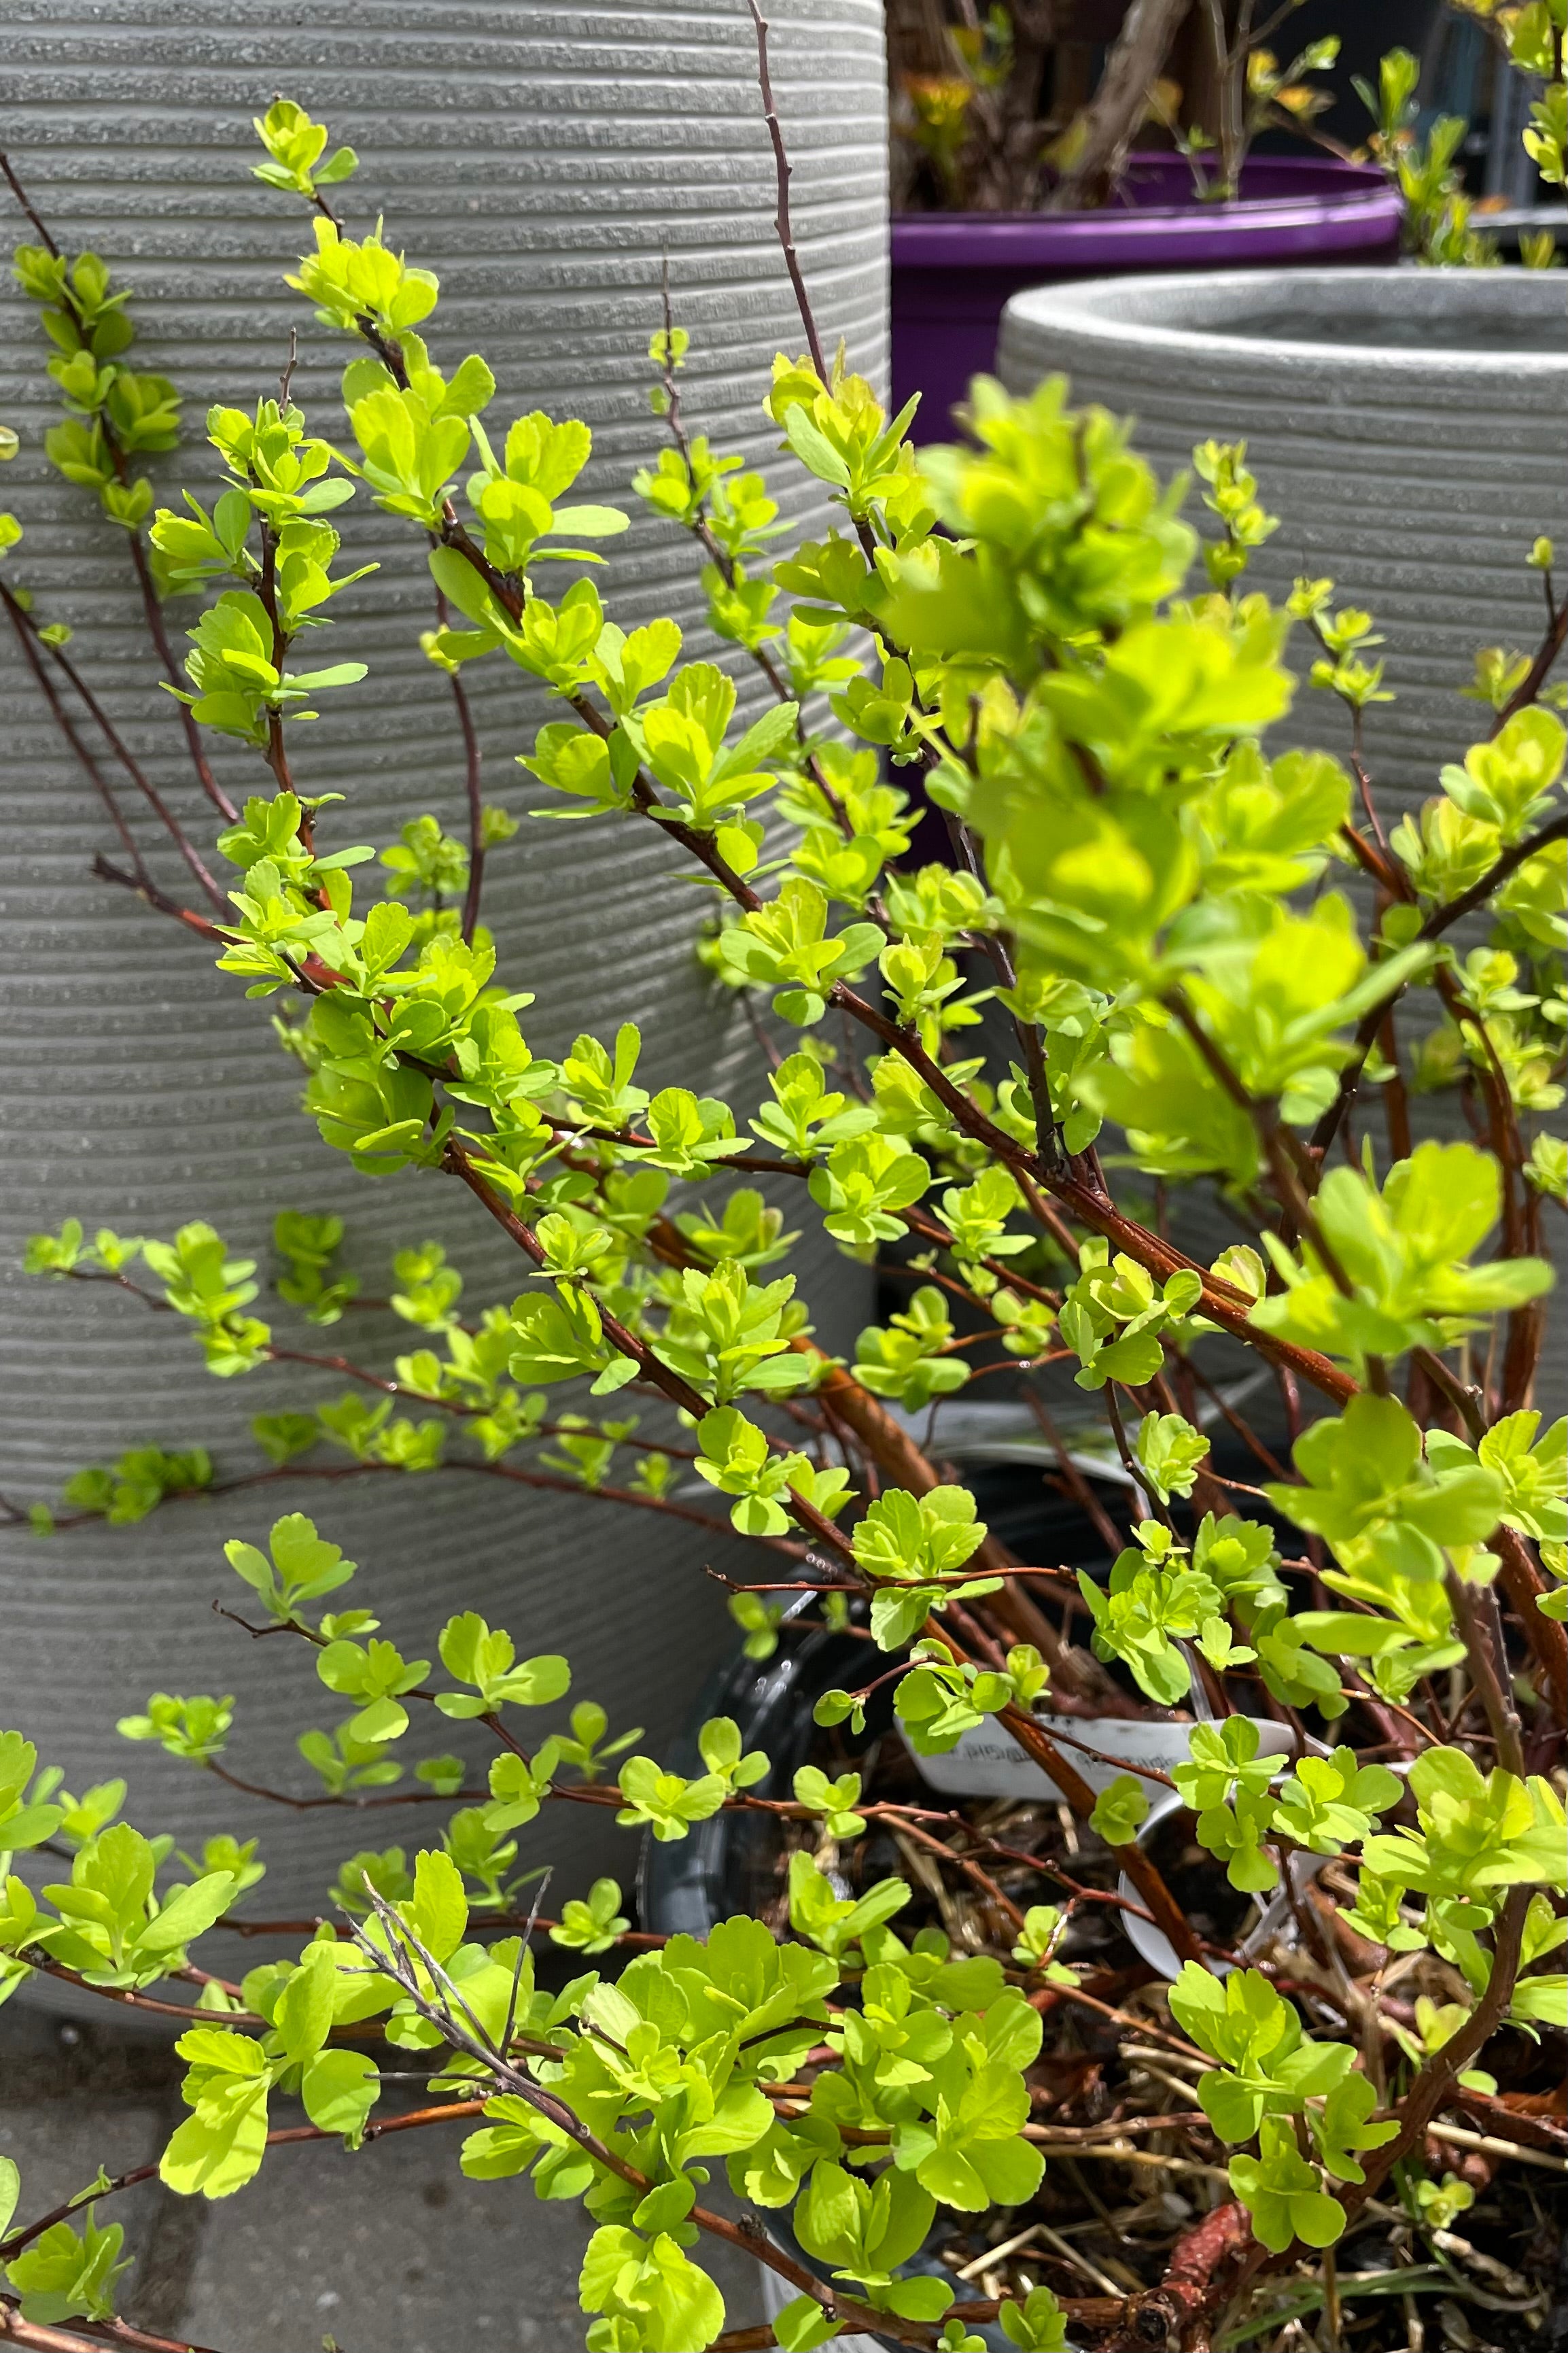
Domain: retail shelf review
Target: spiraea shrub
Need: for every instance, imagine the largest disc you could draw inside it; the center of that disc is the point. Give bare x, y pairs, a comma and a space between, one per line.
1163, 959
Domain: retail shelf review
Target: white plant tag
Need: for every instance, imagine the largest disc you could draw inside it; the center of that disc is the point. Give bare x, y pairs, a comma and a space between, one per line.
989, 1763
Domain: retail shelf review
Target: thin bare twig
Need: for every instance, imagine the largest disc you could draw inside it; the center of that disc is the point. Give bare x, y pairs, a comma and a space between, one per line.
1440, 920
28, 630
396, 1959
25, 635
782, 222
472, 758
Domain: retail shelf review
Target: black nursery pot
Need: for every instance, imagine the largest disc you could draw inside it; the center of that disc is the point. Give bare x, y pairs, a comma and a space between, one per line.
731, 1863
721, 1866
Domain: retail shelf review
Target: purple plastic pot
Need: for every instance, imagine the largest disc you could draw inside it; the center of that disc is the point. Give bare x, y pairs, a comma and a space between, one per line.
953, 271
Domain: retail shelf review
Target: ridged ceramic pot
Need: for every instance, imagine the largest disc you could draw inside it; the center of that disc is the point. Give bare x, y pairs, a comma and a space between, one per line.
545, 161
1409, 427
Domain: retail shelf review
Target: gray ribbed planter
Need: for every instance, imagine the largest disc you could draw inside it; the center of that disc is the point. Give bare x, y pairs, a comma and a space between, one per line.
545, 160
1410, 426
1397, 421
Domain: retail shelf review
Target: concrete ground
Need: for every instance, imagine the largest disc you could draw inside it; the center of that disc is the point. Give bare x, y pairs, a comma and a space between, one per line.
390, 2250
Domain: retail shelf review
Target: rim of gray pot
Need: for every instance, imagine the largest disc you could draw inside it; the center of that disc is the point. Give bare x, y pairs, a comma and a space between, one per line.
1189, 312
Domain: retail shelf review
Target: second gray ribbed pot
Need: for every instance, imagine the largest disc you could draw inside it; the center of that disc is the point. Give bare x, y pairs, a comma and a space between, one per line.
1409, 427
545, 161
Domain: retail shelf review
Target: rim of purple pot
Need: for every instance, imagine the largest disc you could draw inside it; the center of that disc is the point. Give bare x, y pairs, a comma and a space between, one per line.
1155, 206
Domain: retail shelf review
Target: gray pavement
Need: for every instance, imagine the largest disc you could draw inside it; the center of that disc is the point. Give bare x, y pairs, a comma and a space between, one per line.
390, 2250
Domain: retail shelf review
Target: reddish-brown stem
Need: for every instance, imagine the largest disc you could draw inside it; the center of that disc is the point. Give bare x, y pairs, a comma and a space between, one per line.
1536, 676
902, 1460
703, 846
1502, 1120
782, 223
636, 1940
159, 899
1483, 1673
1440, 920
1143, 1872
546, 1481
123, 2333
1435, 2082
166, 652
471, 765
67, 727
971, 1870
1272, 1135
1363, 785
839, 1585
1078, 1486
27, 626
144, 2002
1525, 1327
1547, 1637
1221, 1301
1372, 861
1395, 1099
701, 528
1188, 2286
1037, 1743
351, 1800
1238, 1422
40, 2338
1144, 2028
275, 755
473, 759
1105, 1896
1145, 1771
39, 227
652, 1367
1453, 910
14, 2240
414, 2120
1139, 1478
